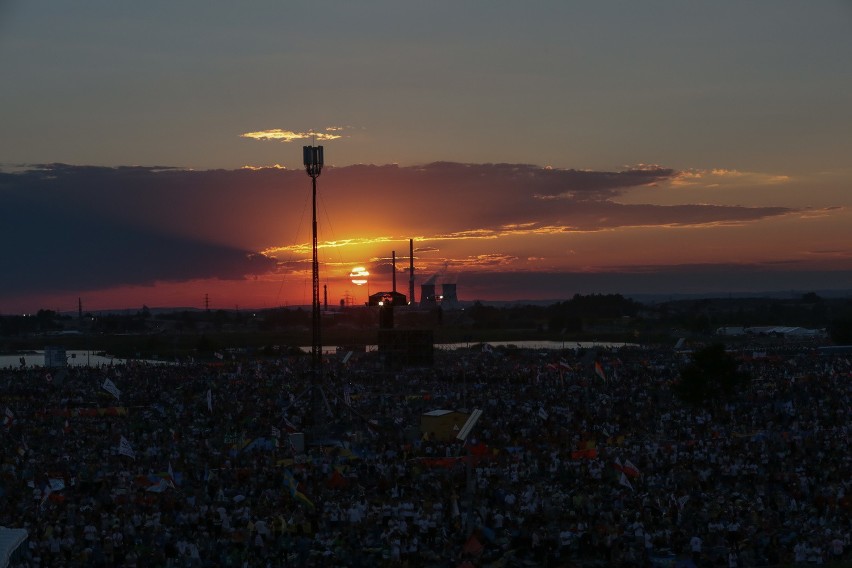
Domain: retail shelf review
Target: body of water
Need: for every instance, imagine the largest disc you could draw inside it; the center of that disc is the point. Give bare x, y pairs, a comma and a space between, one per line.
93, 359
73, 358
542, 344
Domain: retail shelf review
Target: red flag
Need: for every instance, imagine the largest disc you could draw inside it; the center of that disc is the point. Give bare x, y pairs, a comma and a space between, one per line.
599, 371
588, 453
473, 546
631, 469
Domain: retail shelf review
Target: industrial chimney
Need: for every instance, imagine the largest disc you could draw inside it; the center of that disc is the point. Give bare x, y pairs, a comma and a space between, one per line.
411, 271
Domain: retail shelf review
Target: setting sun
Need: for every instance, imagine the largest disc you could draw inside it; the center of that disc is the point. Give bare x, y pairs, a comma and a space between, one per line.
359, 275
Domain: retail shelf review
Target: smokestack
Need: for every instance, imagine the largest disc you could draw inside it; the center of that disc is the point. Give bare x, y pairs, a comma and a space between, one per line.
411, 271
393, 264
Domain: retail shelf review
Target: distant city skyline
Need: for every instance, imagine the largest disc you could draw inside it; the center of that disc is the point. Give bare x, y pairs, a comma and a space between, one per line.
150, 154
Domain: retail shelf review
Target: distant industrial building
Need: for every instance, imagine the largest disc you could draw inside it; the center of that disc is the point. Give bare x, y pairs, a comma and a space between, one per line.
448, 298
387, 299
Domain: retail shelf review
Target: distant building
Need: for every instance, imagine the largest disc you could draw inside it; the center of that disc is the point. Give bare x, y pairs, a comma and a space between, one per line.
449, 297
771, 331
731, 330
785, 331
387, 298
429, 297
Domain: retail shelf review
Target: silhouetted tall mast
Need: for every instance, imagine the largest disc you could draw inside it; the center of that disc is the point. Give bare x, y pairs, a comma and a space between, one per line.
393, 269
313, 160
411, 272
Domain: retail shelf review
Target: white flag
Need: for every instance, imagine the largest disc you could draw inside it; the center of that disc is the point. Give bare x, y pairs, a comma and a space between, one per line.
45, 495
542, 413
56, 484
210, 400
110, 387
125, 449
276, 433
625, 482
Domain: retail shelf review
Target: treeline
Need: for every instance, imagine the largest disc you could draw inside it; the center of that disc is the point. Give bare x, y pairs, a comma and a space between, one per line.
569, 316
598, 315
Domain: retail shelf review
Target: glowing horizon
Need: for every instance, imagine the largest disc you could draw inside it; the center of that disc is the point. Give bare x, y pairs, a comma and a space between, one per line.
654, 147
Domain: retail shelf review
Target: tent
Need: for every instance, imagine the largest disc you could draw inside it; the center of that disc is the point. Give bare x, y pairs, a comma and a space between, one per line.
10, 540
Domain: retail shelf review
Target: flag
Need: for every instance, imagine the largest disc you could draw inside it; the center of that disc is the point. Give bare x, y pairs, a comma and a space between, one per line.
56, 484
587, 453
599, 370
46, 494
8, 418
473, 546
290, 482
171, 478
631, 469
66, 428
276, 433
125, 449
293, 487
289, 426
347, 395
160, 486
625, 482
110, 387
542, 413
300, 497
210, 400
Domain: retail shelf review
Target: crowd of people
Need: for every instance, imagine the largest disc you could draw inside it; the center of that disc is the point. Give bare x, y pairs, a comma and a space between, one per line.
578, 458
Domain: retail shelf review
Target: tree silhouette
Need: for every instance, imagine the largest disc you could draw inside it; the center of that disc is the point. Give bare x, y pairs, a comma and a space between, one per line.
712, 375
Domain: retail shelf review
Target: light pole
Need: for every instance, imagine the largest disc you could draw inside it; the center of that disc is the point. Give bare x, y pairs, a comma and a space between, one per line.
313, 166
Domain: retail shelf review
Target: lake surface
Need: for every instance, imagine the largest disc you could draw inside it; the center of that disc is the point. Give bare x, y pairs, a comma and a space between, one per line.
93, 359
74, 359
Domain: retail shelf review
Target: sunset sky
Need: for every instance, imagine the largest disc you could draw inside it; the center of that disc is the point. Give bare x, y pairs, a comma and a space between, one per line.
150, 153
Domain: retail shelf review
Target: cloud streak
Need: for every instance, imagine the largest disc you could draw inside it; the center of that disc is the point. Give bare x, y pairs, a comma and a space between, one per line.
85, 228
280, 135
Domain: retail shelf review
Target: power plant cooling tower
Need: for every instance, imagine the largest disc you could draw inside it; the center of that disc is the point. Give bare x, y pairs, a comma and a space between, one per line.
448, 294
